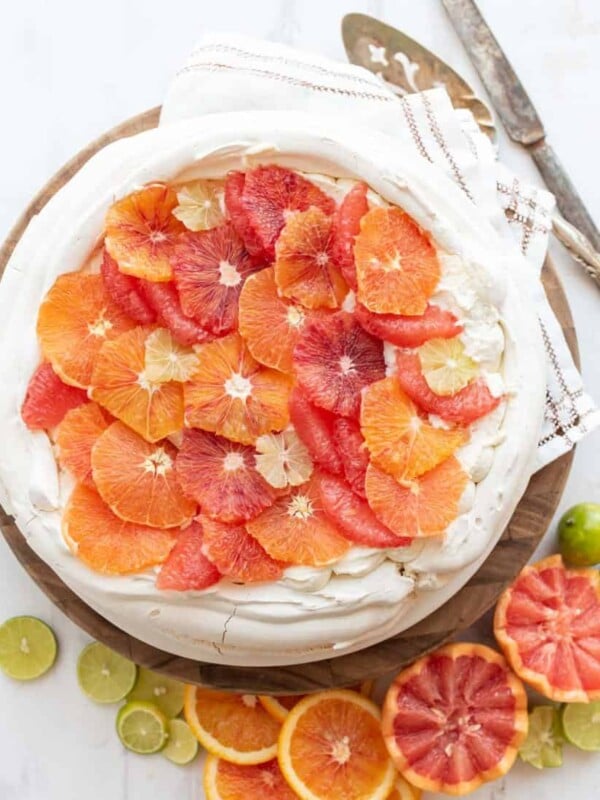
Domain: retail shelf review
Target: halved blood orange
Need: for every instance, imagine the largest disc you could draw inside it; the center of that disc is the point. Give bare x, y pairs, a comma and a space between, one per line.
75, 437
75, 319
232, 726
137, 479
315, 427
295, 529
331, 747
141, 231
548, 625
397, 269
405, 331
346, 226
108, 544
187, 568
226, 781
126, 292
48, 399
237, 554
119, 383
420, 507
233, 395
455, 719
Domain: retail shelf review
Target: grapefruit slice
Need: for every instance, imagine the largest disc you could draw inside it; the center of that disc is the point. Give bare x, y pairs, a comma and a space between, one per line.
225, 781
108, 544
137, 479
75, 437
126, 292
346, 226
75, 319
283, 459
234, 190
353, 453
315, 427
455, 719
548, 625
404, 331
237, 554
48, 399
187, 568
199, 206
166, 360
163, 298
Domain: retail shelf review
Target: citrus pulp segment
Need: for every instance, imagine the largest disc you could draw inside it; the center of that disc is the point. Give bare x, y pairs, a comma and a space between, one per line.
27, 648
543, 746
236, 554
164, 299
142, 727
346, 226
315, 427
186, 568
75, 437
407, 331
353, 453
199, 206
103, 675
48, 399
283, 459
166, 360
234, 191
164, 692
126, 292
226, 781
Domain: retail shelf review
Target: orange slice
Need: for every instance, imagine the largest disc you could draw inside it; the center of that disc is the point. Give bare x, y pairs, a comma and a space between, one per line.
233, 395
225, 781
296, 530
167, 360
75, 437
397, 268
280, 706
106, 543
75, 319
421, 507
120, 384
331, 747
232, 726
137, 479
400, 441
141, 231
237, 554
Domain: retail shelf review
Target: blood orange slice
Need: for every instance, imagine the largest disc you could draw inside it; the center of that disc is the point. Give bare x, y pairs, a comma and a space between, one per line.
187, 568
403, 331
315, 427
334, 360
234, 190
237, 554
548, 625
353, 453
141, 231
221, 476
126, 292
397, 269
421, 507
48, 399
163, 298
75, 437
455, 719
346, 226
75, 319
226, 781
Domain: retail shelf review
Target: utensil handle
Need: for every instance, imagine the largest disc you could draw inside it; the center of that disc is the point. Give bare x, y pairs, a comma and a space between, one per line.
578, 245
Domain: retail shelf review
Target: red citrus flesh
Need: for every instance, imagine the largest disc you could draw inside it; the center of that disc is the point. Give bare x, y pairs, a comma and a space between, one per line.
163, 298
237, 554
353, 453
234, 190
187, 568
346, 226
315, 427
126, 292
403, 331
48, 399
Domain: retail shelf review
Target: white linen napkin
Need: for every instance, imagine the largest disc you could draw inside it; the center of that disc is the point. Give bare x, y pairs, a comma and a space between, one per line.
235, 73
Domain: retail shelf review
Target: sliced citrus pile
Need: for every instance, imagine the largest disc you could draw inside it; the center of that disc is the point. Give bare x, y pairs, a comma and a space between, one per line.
75, 437
331, 747
141, 231
221, 476
164, 300
226, 781
232, 726
405, 331
283, 459
455, 719
126, 292
76, 318
166, 360
137, 479
108, 544
334, 360
548, 625
236, 554
187, 568
315, 427
48, 399
423, 506
295, 529
199, 206
120, 384
353, 453
445, 365
346, 226
233, 395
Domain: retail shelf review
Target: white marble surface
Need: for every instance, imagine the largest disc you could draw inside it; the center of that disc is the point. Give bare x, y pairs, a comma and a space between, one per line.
70, 70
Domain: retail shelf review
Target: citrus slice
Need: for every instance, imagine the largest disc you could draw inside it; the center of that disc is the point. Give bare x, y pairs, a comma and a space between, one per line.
423, 506
198, 205
403, 790
279, 706
397, 269
403, 331
232, 726
226, 781
446, 367
334, 360
304, 267
137, 480
331, 746
106, 543
27, 648
581, 725
166, 360
75, 319
346, 226
126, 292
142, 728
295, 529
237, 554
283, 459
48, 399
548, 625
399, 440
103, 675
141, 231
543, 746
233, 395
234, 191
315, 427
120, 384
75, 437
164, 692
163, 298
455, 719
187, 568
353, 453
182, 745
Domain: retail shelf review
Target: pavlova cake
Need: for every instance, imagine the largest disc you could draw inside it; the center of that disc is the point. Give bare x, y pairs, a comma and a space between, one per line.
271, 388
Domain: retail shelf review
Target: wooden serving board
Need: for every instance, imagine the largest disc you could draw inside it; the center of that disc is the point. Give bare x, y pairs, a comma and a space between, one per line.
528, 525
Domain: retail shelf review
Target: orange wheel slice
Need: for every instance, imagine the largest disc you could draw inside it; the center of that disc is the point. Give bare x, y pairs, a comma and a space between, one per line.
331, 747
237, 554
141, 231
120, 384
232, 726
75, 319
455, 719
296, 530
548, 625
106, 543
137, 479
75, 437
397, 269
226, 781
233, 395
279, 706
421, 507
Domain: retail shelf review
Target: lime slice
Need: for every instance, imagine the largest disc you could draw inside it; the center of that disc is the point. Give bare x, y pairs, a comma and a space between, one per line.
182, 746
27, 648
105, 676
164, 692
581, 724
142, 727
543, 745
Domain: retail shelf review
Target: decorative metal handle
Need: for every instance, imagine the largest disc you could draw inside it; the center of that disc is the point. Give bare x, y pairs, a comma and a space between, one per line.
578, 245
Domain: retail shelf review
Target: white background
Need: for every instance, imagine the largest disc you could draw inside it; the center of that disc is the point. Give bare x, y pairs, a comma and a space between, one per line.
69, 70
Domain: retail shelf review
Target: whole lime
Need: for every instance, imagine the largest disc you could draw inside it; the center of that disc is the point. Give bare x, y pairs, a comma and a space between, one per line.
579, 534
